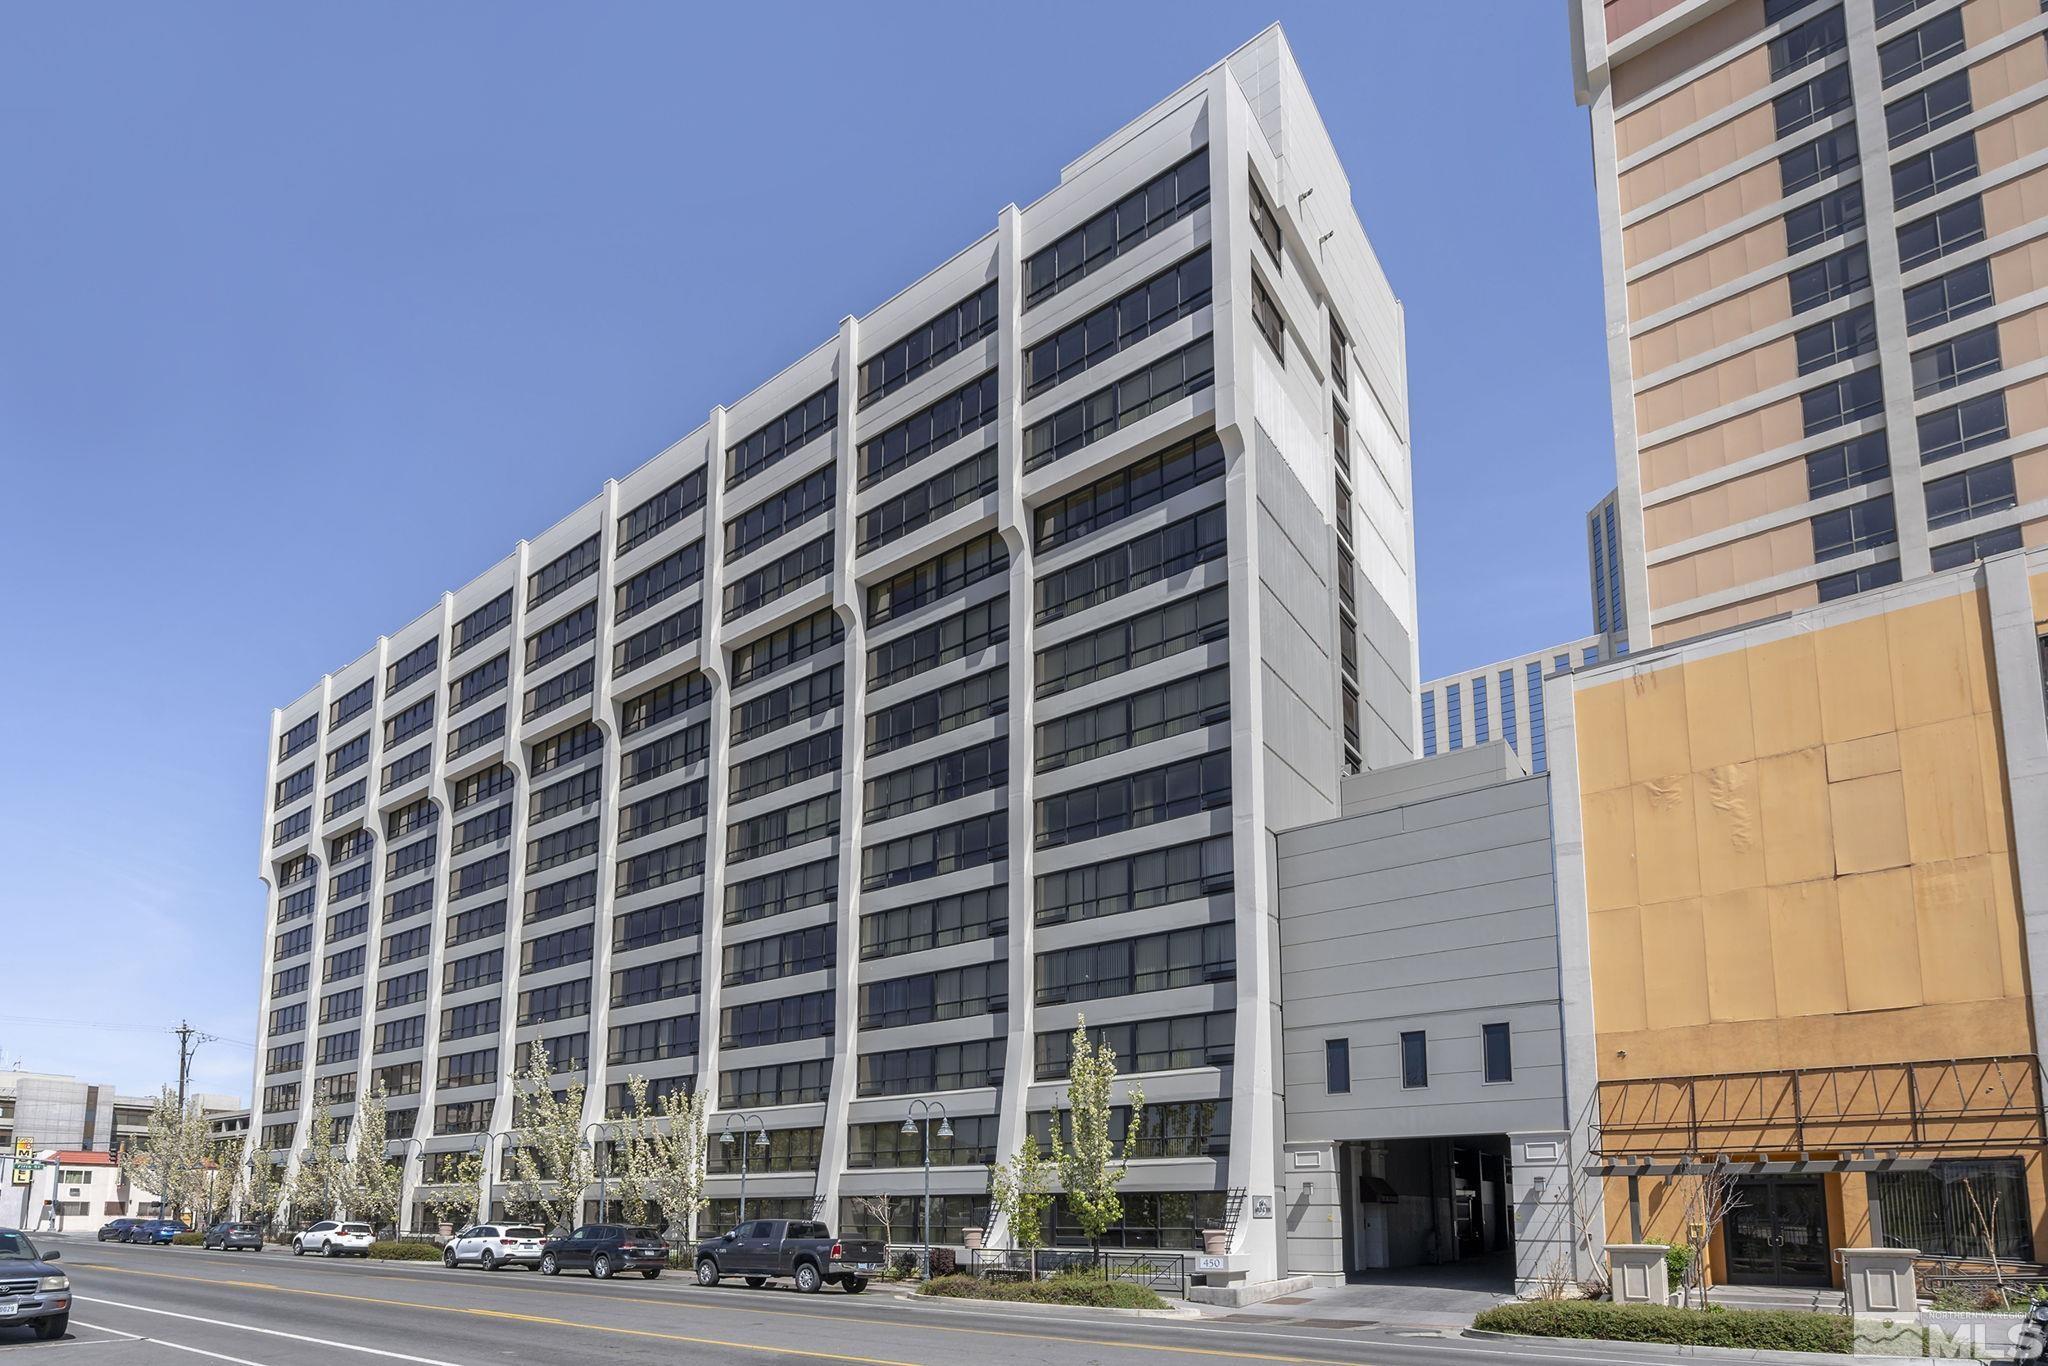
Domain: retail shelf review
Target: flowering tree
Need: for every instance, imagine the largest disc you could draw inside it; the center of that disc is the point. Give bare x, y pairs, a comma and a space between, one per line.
172, 1155
1021, 1188
374, 1179
549, 1166
1090, 1166
323, 1186
664, 1150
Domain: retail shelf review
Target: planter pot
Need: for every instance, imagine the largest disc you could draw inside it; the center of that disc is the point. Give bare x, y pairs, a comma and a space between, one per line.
447, 1231
1215, 1241
971, 1238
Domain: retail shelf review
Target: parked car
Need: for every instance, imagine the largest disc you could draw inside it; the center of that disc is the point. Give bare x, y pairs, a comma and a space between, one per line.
491, 1246
331, 1238
116, 1230
157, 1230
800, 1250
606, 1249
230, 1236
31, 1290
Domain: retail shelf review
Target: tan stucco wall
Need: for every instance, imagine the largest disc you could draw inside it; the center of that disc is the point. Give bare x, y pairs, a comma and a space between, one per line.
1728, 321
1796, 853
1749, 251
1710, 448
1736, 614
1682, 51
1740, 376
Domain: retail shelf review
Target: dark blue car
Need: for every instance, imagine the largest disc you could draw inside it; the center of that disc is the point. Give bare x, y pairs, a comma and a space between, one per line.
157, 1231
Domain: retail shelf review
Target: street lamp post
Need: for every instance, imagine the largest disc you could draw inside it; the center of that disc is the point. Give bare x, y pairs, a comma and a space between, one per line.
407, 1163
599, 1159
483, 1143
746, 1122
919, 1116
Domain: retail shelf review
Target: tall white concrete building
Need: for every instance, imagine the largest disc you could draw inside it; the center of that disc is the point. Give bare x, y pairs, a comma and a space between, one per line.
941, 691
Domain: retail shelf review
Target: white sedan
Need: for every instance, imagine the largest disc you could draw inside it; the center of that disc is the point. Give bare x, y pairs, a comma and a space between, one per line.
491, 1246
330, 1238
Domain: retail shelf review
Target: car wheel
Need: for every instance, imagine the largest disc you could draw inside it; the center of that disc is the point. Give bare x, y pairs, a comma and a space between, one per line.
53, 1327
548, 1265
855, 1284
707, 1272
601, 1267
448, 1258
807, 1278
298, 1248
756, 1282
651, 1273
489, 1261
327, 1248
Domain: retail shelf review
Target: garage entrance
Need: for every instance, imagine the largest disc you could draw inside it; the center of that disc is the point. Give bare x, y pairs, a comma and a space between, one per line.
1429, 1202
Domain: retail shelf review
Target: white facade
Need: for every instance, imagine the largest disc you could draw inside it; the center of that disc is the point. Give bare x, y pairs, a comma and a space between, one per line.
878, 914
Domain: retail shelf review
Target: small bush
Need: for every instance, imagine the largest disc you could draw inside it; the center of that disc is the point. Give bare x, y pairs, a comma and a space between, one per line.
1755, 1329
944, 1263
390, 1250
1065, 1288
187, 1239
1677, 1261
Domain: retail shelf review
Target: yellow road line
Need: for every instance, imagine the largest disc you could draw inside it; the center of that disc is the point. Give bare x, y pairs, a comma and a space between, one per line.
715, 1342
542, 1319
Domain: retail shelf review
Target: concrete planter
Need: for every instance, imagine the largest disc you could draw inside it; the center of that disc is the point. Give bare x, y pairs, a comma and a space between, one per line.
1215, 1241
1637, 1273
970, 1238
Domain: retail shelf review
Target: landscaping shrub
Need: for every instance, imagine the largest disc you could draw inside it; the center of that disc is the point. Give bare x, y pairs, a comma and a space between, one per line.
1755, 1329
390, 1250
903, 1265
1065, 1288
187, 1239
1677, 1259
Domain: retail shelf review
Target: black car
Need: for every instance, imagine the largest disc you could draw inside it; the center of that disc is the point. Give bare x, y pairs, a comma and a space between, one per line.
230, 1236
801, 1250
606, 1249
32, 1292
116, 1230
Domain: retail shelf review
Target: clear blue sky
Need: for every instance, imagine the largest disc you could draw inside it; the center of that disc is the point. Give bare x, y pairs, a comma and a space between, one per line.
312, 312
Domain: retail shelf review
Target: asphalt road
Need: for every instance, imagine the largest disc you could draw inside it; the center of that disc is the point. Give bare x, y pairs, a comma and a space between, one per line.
141, 1306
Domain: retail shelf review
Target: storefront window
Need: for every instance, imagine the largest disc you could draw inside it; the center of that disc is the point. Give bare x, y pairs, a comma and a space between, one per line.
1958, 1209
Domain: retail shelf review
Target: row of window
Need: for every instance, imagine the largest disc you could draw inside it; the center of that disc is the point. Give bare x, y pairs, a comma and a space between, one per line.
921, 504
1146, 308
800, 699
947, 573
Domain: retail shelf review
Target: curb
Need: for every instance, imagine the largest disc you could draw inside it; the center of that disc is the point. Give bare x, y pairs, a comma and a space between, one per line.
945, 1303
1690, 1349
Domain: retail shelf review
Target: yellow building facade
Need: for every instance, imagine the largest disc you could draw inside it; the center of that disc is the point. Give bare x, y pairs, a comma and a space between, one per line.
1801, 854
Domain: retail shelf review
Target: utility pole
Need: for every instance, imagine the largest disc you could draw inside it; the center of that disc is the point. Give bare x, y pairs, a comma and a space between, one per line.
184, 1031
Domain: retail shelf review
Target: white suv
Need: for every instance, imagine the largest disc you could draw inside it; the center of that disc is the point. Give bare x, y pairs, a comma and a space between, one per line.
491, 1246
331, 1239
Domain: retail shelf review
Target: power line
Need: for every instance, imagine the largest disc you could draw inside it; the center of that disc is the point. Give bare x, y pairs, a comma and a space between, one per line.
113, 1027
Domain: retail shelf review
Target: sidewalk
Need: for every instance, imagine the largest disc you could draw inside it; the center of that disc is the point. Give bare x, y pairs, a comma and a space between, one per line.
1389, 1303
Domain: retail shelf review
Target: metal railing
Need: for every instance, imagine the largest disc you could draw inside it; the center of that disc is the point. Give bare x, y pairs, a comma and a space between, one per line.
1165, 1273
1956, 1105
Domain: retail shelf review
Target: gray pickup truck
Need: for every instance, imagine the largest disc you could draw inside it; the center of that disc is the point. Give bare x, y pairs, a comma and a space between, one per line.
801, 1250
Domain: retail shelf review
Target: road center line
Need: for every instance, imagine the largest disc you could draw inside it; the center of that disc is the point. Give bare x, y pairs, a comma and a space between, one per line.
505, 1314
1125, 1344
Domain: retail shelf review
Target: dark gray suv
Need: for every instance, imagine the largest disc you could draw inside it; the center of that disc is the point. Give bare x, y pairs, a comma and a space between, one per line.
33, 1293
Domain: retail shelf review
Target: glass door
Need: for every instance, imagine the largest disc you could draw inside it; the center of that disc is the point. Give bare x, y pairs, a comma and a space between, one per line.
1778, 1232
